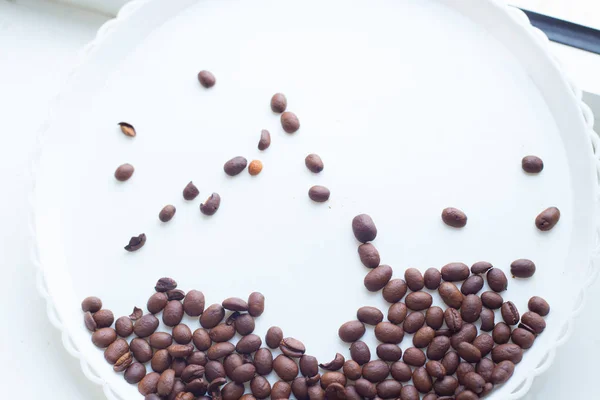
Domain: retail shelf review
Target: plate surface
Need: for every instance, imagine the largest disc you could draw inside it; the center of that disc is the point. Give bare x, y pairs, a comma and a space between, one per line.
413, 105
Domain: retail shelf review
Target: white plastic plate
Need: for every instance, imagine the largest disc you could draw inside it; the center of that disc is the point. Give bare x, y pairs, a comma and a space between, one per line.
414, 106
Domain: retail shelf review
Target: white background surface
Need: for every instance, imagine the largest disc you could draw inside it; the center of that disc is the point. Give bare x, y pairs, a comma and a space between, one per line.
38, 44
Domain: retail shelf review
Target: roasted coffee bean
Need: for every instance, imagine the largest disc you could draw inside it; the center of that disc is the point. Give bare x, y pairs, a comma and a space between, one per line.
235, 166
471, 308
418, 301
352, 394
300, 388
274, 337
451, 361
90, 324
474, 382
432, 278
192, 372
172, 313
468, 352
359, 351
127, 129
141, 350
124, 172
244, 324
387, 332
222, 333
481, 267
455, 272
485, 367
190, 191
472, 285
285, 367
369, 315
484, 343
220, 350
375, 371
309, 366
454, 217
178, 365
231, 362
290, 122
423, 337
92, 304
212, 316
364, 228
247, 397
265, 140
167, 213
263, 361
365, 388
394, 290
352, 370
413, 322
432, 396
149, 383
438, 348
422, 380
446, 386
145, 326
292, 347
369, 256
165, 284
435, 369
397, 313
502, 372
547, 219
211, 205
182, 334
388, 389
193, 304
255, 167
497, 280
378, 277
351, 331
243, 373
197, 387
523, 338
434, 317
409, 392
161, 360
201, 339
166, 382
116, 350
160, 340
124, 326
444, 332
260, 386
197, 358
248, 344
389, 352
401, 371
492, 300
334, 365
319, 194
534, 321
232, 391
532, 164
501, 333
157, 302
281, 390
413, 356
256, 304
510, 313
123, 362
103, 318
317, 393
175, 294
214, 370
522, 268
510, 352
414, 279
135, 373
180, 350
539, 305
206, 79
314, 163
450, 294
453, 319
136, 242
487, 320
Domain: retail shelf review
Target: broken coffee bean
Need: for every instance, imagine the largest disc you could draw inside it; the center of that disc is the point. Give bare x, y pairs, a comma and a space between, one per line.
127, 129
211, 205
136, 242
190, 192
265, 140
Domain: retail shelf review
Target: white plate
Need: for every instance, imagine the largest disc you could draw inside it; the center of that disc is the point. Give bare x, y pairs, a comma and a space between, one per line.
413, 105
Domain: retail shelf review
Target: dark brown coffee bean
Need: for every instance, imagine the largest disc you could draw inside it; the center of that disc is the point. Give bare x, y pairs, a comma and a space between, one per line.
124, 326
438, 348
444, 332
182, 334
243, 373
90, 324
166, 382
409, 392
451, 361
231, 362
423, 337
359, 351
450, 294
173, 313
418, 301
265, 140
352, 370
369, 256
388, 389
248, 344
314, 163
397, 313
547, 219
290, 122
309, 366
471, 308
292, 347
334, 365
211, 205
422, 380
414, 279
453, 319
180, 350
319, 194
285, 367
214, 370
124, 172
145, 326
387, 332
378, 277
201, 339
149, 383
468, 352
123, 362
197, 387
235, 166
178, 365
165, 284
352, 394
365, 388
413, 356
497, 280
281, 390
190, 191
300, 388
244, 324
364, 228
523, 338
161, 360
212, 316
446, 386
484, 343
389, 352
141, 350
274, 337
256, 304
454, 217
395, 290
455, 272
472, 285
136, 242
167, 213
375, 371
157, 302
510, 352
206, 79
532, 164
534, 321
232, 391
467, 333
160, 340
539, 305
193, 304
502, 372
501, 333
103, 318
369, 315
197, 358
263, 361
435, 369
192, 372
474, 382
510, 313
351, 331
175, 294
260, 386
487, 320
413, 322
92, 304
432, 278
220, 350
522, 268
434, 317
135, 373
485, 367
492, 300
222, 333
481, 267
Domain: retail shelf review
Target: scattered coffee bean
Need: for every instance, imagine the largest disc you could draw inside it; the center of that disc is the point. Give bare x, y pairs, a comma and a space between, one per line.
319, 194
197, 358
351, 331
256, 304
421, 380
510, 313
539, 305
274, 337
141, 350
471, 308
281, 390
435, 369
365, 388
104, 337
124, 172
161, 360
432, 278
255, 167
389, 352
501, 333
454, 217
244, 373
481, 267
453, 319
220, 350
116, 350
292, 347
309, 366
394, 290
369, 255
265, 140
260, 387
401, 371
352, 370
446, 386
206, 79
492, 300
378, 277
263, 361
434, 317
502, 372
166, 383
418, 301
285, 367
497, 280
244, 324
214, 370
523, 338
92, 304
193, 304
175, 294
211, 205
157, 302
451, 361
468, 352
455, 272
235, 304
127, 129
369, 315
124, 326
364, 228
103, 318
231, 362
423, 337
547, 219
507, 352
534, 322
397, 313
145, 326
235, 166
375, 371
484, 343
172, 313
190, 191
487, 320
149, 384
212, 316
232, 390
467, 333
472, 285
290, 122
359, 351
222, 333
90, 324
413, 357
414, 279
278, 103
136, 242
532, 164
522, 268
450, 295
334, 365
413, 322
387, 332
314, 163
389, 389
135, 373
167, 213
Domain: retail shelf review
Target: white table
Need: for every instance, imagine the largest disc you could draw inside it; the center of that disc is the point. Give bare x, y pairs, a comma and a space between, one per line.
38, 44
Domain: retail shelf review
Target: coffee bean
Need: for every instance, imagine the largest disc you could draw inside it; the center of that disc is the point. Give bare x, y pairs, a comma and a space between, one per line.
418, 301
394, 290
197, 358
364, 228
290, 122
214, 370
175, 294
422, 380
220, 350
255, 167
471, 308
409, 392
292, 347
161, 360
90, 324
369, 255
190, 191
387, 332
192, 372
235, 304
414, 279
502, 372
423, 337
278, 103
149, 383
375, 371
127, 129
309, 366
124, 172
510, 313
330, 378
435, 369
413, 322
454, 217
445, 386
145, 326
522, 268
201, 339
92, 304
401, 371
167, 213
474, 382
455, 272
124, 326
281, 390
244, 324
235, 166
492, 300
451, 361
244, 373
197, 387
467, 333
438, 347
285, 367
369, 315
206, 79
265, 140
141, 350
532, 164
453, 319
397, 313
212, 316
539, 305
509, 351
523, 338
319, 194
334, 365
432, 278
434, 317
260, 386
103, 318
157, 302
487, 320
182, 334
547, 219
103, 337
389, 352
135, 373
413, 356
178, 365
463, 369
481, 267
211, 205
352, 394
359, 351
450, 294
472, 285
222, 333
497, 280
468, 352
263, 361
232, 391
365, 388
173, 313
534, 321
248, 344
388, 389
256, 304
314, 163
193, 304
484, 368
351, 331
116, 350
484, 343
300, 388
166, 382
352, 370
274, 337
501, 333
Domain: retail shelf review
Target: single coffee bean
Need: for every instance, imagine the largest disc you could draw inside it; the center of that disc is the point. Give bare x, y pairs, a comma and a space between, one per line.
359, 351
471, 308
352, 394
352, 370
292, 347
455, 272
222, 333
141, 350
334, 365
432, 278
502, 372
135, 373
103, 318
451, 361
220, 350
314, 163
484, 343
401, 371
127, 129
244, 324
369, 256
523, 338
157, 302
389, 352
532, 164
472, 285
365, 388
387, 332
351, 331
413, 322
211, 205
290, 122
285, 367
182, 334
414, 279
260, 387
274, 337
438, 347
104, 337
539, 306
244, 373
300, 388
450, 294
192, 372
92, 304
463, 369
413, 356
418, 301
510, 313
193, 304
446, 386
454, 217
178, 365
265, 140
409, 392
397, 313
509, 351
124, 172
453, 319
165, 284
319, 194
388, 389
263, 361
497, 280
232, 391
145, 326
235, 166
375, 371
278, 103
467, 333
201, 339
167, 213
281, 390
166, 383
547, 219
116, 350
421, 380
206, 79
434, 317
394, 290
309, 366
492, 300
190, 191
212, 316
468, 352
474, 382
435, 369
161, 360
231, 362
255, 167
235, 304
90, 324
124, 326
149, 384
487, 320
173, 313
481, 267
369, 315
522, 268
364, 228
534, 321
501, 333
197, 358
248, 344
484, 368
214, 370
423, 337
256, 304
175, 294
136, 242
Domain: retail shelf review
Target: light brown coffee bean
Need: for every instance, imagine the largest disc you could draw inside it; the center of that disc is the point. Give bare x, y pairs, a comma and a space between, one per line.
127, 129
352, 370
180, 350
123, 362
450, 294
